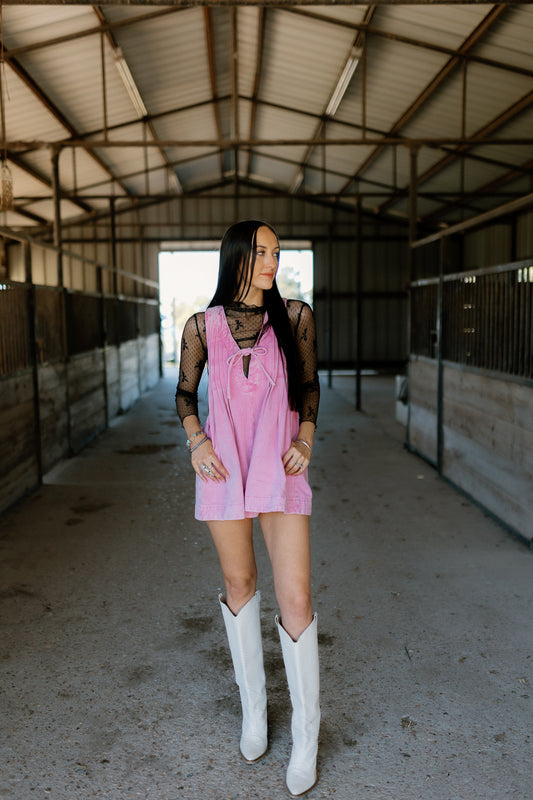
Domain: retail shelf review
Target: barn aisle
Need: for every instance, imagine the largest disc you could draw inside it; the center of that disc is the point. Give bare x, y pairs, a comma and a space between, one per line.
115, 676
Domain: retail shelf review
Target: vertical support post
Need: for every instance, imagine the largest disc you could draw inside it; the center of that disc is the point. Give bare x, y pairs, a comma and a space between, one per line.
463, 131
413, 177
58, 243
103, 335
113, 244
139, 294
104, 83
358, 300
58, 236
413, 211
235, 104
440, 370
329, 301
35, 359
363, 85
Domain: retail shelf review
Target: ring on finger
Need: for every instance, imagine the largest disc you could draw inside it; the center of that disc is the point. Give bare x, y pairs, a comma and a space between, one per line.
299, 465
207, 470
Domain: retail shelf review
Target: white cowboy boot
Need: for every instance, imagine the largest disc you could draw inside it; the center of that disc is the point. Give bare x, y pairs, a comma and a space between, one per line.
244, 637
301, 666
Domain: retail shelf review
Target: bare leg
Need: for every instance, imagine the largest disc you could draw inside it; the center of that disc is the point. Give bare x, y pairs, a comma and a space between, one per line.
287, 541
234, 544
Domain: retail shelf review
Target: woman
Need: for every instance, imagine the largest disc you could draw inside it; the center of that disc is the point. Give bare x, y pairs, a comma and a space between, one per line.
251, 460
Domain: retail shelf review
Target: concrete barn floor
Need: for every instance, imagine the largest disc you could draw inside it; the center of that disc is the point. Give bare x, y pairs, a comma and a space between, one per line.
116, 681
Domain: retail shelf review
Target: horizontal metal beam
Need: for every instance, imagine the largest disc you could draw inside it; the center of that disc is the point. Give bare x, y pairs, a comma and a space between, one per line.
231, 144
502, 211
373, 31
496, 269
93, 31
16, 236
257, 195
265, 3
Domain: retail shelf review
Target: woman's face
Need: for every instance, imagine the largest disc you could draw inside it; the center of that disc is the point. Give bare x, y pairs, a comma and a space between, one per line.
265, 265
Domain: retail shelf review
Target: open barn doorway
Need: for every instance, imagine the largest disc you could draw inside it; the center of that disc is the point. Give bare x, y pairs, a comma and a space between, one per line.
188, 277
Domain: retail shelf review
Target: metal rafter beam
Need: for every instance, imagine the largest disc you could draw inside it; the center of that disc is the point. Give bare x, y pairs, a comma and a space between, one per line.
357, 43
470, 42
266, 3
104, 27
116, 50
44, 179
396, 37
257, 80
483, 135
235, 92
279, 106
51, 107
23, 212
232, 143
488, 189
210, 45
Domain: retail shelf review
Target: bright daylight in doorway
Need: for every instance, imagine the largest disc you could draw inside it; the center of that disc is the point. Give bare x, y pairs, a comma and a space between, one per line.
187, 281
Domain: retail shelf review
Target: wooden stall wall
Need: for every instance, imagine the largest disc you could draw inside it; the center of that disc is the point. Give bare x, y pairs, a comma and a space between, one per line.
471, 372
488, 443
79, 342
487, 436
19, 463
423, 401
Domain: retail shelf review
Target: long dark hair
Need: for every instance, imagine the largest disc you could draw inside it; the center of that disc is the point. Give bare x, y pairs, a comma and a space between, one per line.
237, 259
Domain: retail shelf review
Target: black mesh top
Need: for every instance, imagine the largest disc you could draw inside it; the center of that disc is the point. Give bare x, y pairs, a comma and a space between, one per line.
245, 324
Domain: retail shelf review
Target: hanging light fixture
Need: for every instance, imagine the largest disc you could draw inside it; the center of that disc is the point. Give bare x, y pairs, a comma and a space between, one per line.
6, 179
344, 81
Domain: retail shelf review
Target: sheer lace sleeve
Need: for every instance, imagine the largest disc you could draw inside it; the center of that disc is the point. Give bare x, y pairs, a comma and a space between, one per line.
303, 325
192, 362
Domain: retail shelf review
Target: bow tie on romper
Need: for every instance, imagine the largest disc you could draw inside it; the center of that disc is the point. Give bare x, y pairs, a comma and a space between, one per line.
249, 351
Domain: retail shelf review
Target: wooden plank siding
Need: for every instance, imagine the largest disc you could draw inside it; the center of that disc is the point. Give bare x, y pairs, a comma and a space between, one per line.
86, 397
53, 413
487, 436
19, 467
423, 407
488, 443
72, 408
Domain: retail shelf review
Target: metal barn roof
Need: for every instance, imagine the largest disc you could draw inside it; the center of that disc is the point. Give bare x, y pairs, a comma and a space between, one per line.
152, 101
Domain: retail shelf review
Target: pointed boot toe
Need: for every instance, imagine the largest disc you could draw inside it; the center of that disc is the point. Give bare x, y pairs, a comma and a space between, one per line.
301, 779
253, 746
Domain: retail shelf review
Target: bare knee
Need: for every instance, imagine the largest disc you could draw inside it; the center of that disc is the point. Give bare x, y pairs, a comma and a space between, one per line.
240, 588
296, 611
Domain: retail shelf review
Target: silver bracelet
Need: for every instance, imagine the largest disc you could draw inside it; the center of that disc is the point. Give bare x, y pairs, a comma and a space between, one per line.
198, 445
193, 436
304, 442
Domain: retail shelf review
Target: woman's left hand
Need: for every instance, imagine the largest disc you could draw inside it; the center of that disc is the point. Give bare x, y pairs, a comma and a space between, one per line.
296, 459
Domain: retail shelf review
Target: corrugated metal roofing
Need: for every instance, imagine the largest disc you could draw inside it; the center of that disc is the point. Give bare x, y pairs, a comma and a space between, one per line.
182, 67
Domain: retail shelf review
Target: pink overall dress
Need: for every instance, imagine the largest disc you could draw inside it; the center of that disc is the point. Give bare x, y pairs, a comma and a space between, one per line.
251, 427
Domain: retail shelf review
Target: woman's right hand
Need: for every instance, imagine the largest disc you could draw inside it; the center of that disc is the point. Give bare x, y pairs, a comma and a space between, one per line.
206, 464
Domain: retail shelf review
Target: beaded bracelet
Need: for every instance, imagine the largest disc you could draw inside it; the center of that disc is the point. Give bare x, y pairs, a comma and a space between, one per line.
192, 449
302, 441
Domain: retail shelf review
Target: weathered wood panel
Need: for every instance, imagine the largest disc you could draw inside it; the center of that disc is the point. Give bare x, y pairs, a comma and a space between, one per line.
423, 406
86, 397
113, 381
488, 443
149, 349
53, 414
129, 374
85, 391
19, 469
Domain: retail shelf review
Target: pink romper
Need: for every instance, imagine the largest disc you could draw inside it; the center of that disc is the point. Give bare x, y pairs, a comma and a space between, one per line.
251, 427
